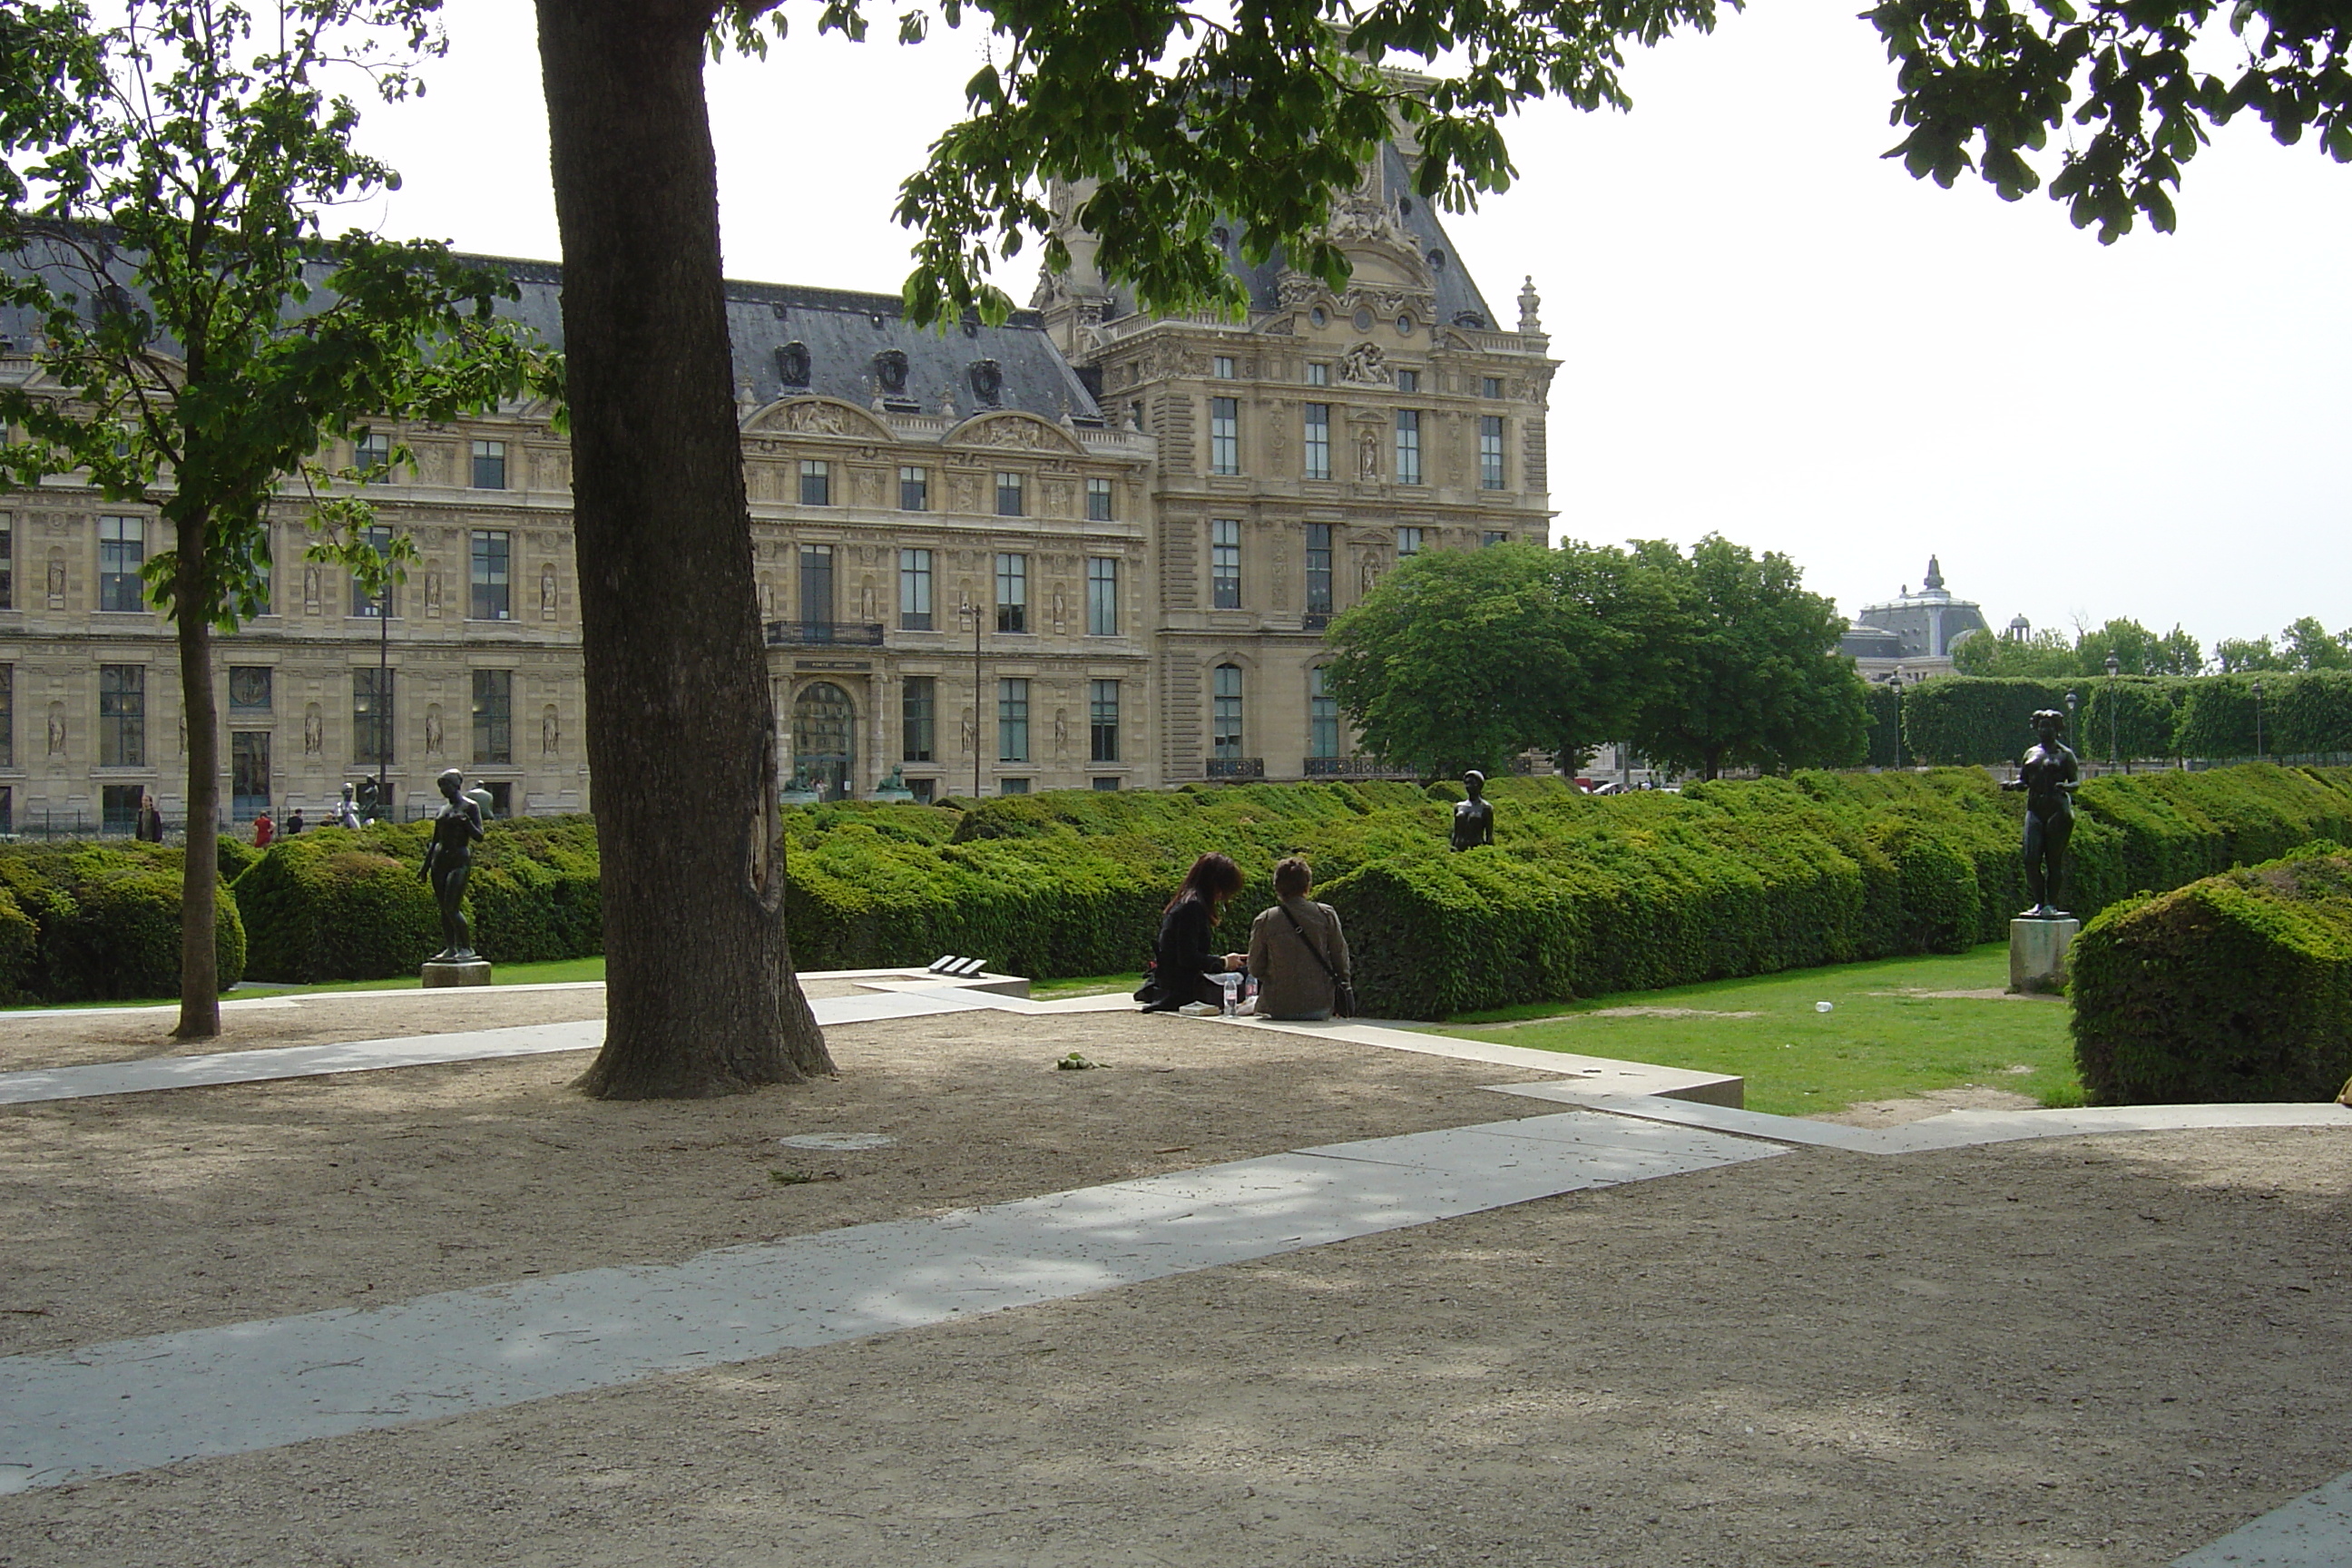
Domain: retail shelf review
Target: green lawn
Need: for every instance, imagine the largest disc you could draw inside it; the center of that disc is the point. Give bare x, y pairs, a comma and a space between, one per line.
1088, 985
1800, 1061
561, 969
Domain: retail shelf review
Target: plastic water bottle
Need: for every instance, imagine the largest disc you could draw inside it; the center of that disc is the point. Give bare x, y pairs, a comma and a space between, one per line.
1233, 985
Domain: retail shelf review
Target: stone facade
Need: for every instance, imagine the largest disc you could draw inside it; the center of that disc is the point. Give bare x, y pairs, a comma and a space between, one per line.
1148, 521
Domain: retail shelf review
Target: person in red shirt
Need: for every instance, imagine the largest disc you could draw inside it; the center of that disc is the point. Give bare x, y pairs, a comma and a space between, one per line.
264, 830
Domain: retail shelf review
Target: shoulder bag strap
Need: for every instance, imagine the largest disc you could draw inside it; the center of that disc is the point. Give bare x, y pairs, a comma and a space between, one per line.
1299, 932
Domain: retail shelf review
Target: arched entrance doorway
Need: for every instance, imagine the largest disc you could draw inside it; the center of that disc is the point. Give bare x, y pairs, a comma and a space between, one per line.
824, 740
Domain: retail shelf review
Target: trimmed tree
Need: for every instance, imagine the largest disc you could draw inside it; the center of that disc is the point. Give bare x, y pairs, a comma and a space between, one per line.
162, 181
1738, 665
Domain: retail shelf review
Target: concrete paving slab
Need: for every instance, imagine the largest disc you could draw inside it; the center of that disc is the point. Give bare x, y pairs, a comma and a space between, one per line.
2314, 1531
294, 1061
1952, 1130
1603, 1075
137, 1403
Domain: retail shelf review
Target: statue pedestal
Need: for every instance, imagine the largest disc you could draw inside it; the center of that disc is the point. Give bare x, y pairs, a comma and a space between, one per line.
457, 972
2037, 953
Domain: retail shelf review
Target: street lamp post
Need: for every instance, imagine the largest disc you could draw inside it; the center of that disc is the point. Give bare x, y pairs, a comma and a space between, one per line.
1898, 717
2115, 668
2071, 731
2258, 720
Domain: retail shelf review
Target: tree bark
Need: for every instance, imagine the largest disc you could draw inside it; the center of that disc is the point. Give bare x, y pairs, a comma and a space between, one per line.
200, 873
700, 994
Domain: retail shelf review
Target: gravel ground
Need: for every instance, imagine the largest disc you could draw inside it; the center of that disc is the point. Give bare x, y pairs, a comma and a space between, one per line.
2086, 1351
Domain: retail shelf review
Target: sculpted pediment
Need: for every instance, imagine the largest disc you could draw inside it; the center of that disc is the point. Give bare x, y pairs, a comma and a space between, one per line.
815, 416
1024, 432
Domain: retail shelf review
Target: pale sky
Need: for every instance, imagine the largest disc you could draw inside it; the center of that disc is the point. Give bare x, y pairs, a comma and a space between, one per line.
1766, 331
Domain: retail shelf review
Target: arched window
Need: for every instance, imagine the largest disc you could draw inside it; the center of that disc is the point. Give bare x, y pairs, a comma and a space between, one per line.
824, 740
1225, 711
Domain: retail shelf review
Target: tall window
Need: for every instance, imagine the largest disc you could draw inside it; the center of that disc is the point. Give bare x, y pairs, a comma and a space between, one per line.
817, 483
1317, 374
1012, 592
7, 563
371, 455
1322, 717
1225, 711
918, 711
1490, 386
1226, 563
489, 465
121, 551
1225, 435
1318, 446
1102, 720
122, 715
915, 589
1407, 380
1318, 568
1222, 367
372, 715
494, 716
249, 689
1098, 500
1102, 597
1011, 498
7, 718
816, 593
914, 489
248, 773
1408, 446
1012, 721
1408, 543
1494, 536
1490, 451
379, 539
490, 601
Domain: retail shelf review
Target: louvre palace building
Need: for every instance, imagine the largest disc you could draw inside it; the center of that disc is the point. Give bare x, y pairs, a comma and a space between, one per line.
1087, 548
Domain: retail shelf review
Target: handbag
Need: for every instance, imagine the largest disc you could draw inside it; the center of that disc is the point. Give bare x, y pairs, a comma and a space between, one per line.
1343, 992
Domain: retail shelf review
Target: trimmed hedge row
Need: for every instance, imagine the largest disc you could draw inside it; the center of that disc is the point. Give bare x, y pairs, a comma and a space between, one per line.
2236, 987
1581, 896
349, 904
1964, 720
101, 923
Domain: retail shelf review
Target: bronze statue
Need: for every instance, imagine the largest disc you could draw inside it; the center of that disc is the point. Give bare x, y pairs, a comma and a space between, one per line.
1474, 819
2049, 777
448, 860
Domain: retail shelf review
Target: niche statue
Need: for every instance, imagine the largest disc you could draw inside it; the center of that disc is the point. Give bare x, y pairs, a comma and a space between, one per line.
2049, 777
448, 861
1474, 819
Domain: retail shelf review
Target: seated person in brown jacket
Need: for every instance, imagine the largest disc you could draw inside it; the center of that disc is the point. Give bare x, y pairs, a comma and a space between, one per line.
1296, 949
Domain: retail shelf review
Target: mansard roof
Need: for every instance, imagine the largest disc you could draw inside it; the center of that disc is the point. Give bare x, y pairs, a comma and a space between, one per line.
837, 343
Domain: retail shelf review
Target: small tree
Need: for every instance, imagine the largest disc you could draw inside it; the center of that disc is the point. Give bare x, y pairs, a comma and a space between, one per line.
162, 181
1740, 665
2045, 653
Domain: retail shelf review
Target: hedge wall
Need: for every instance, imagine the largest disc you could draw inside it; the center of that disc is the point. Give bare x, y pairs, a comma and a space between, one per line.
1579, 896
101, 923
1962, 720
349, 903
2237, 987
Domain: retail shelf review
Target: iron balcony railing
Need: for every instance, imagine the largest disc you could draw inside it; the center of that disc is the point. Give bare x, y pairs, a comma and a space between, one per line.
824, 634
1354, 768
1237, 767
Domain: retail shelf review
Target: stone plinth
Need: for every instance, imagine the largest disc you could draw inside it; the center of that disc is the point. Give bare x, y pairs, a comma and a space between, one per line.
2037, 953
457, 972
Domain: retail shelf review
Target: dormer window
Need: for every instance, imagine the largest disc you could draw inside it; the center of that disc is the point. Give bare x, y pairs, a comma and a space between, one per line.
793, 364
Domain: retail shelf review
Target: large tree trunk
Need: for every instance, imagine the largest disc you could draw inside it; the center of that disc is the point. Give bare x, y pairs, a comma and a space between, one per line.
700, 994
200, 875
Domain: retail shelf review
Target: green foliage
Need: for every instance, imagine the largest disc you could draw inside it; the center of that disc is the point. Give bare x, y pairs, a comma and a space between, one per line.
1955, 722
1984, 84
235, 856
2237, 987
1461, 659
343, 904
2045, 655
2136, 651
1739, 664
1883, 702
20, 947
105, 921
2125, 720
